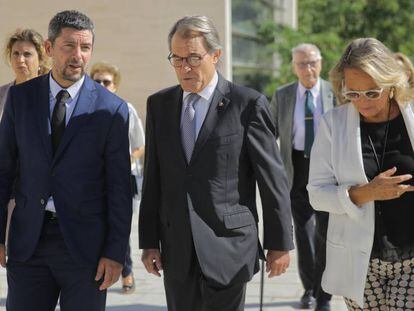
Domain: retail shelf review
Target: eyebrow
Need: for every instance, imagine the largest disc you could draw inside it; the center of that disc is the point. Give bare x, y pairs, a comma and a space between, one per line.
191, 54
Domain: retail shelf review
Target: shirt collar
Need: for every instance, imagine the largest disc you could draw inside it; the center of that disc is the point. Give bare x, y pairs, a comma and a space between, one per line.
73, 90
208, 91
314, 90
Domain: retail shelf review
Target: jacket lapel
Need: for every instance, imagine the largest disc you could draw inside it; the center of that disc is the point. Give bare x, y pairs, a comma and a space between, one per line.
354, 140
83, 110
43, 114
327, 97
218, 106
408, 116
176, 104
287, 109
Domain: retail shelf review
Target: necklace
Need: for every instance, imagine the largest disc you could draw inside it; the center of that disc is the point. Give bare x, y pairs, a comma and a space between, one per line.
384, 145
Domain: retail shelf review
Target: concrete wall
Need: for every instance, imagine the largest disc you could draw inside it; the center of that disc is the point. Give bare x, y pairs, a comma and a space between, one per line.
131, 34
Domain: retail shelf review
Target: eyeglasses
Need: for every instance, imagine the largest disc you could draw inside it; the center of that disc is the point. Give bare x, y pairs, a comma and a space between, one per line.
194, 60
105, 82
305, 65
369, 94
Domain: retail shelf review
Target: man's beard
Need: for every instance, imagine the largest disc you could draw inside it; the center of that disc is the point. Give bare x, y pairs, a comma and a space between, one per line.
72, 77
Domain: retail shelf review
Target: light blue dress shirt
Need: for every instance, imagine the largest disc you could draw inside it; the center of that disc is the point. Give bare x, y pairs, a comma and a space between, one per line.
201, 109
54, 89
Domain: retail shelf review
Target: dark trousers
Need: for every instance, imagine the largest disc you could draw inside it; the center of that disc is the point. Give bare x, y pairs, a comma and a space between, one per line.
127, 269
196, 293
310, 230
50, 274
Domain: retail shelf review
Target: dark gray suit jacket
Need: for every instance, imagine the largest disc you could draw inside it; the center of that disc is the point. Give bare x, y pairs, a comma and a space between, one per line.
282, 107
210, 204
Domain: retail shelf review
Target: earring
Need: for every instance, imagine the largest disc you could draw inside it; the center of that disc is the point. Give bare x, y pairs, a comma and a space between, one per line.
391, 93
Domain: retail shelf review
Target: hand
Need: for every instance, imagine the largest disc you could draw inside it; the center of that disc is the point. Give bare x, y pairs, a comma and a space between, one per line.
277, 262
110, 270
3, 255
384, 186
151, 258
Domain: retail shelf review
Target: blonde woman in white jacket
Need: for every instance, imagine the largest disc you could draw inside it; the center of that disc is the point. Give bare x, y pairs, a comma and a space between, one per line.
361, 169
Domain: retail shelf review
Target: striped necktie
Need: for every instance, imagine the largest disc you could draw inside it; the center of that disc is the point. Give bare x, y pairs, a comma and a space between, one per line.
188, 130
309, 135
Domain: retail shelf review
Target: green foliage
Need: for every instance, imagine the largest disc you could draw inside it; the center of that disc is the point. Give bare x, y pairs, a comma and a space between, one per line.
332, 24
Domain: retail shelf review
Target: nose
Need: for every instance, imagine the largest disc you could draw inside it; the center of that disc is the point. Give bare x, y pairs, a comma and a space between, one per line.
185, 66
21, 58
77, 53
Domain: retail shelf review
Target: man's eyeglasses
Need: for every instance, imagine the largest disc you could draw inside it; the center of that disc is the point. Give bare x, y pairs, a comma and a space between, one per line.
105, 82
369, 94
305, 65
193, 60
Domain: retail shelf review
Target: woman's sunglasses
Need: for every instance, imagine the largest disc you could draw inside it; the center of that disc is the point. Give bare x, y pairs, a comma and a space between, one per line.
105, 82
369, 94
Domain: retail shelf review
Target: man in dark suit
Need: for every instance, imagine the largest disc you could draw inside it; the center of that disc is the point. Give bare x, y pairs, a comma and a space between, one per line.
64, 141
297, 108
209, 141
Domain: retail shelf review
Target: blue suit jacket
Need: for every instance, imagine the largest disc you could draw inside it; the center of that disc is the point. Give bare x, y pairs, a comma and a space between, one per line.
88, 177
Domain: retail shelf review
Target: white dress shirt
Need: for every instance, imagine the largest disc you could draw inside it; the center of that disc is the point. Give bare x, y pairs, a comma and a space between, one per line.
299, 114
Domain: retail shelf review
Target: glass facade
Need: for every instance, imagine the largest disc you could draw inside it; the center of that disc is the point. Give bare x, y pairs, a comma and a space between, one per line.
253, 64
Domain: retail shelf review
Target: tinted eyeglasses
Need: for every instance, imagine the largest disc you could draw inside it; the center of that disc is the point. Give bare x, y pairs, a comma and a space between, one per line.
193, 60
305, 65
105, 82
369, 94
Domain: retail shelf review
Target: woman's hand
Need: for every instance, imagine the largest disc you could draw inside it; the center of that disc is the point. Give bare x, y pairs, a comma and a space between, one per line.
383, 187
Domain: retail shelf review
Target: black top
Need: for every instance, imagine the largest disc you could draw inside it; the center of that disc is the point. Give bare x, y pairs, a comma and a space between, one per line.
393, 218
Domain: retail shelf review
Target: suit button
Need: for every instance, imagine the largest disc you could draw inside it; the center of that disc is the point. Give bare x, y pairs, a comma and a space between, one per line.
42, 201
53, 173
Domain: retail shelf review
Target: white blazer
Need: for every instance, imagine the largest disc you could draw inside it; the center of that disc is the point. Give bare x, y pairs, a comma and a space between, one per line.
336, 164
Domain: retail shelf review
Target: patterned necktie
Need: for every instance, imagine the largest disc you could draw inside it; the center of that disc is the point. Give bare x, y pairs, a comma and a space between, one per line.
309, 135
188, 135
59, 118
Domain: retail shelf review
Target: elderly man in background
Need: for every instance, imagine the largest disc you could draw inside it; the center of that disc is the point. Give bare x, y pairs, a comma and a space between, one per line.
297, 108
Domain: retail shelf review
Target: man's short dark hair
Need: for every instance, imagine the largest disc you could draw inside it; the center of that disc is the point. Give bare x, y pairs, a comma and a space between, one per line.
71, 19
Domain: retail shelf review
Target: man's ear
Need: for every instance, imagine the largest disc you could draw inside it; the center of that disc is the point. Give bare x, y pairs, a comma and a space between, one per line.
48, 47
216, 56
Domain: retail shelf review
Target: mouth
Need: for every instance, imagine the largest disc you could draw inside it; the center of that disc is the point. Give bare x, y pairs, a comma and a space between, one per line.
75, 67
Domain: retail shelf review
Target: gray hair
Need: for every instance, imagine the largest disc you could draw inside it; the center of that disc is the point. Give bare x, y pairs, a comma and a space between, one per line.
192, 26
306, 48
375, 59
71, 19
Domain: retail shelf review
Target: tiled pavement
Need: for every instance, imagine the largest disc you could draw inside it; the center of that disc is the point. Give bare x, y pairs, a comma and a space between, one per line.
280, 294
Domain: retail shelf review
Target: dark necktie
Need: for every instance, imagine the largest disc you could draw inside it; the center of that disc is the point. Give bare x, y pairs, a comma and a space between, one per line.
188, 135
59, 118
309, 135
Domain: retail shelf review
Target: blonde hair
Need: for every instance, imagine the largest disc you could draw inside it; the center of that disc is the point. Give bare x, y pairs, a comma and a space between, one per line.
375, 59
103, 67
407, 65
33, 37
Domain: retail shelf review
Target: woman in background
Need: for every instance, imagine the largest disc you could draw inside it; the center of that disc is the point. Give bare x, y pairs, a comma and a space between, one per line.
109, 77
26, 54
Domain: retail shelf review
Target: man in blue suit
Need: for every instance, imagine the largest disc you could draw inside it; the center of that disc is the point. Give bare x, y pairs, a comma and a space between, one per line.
64, 147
